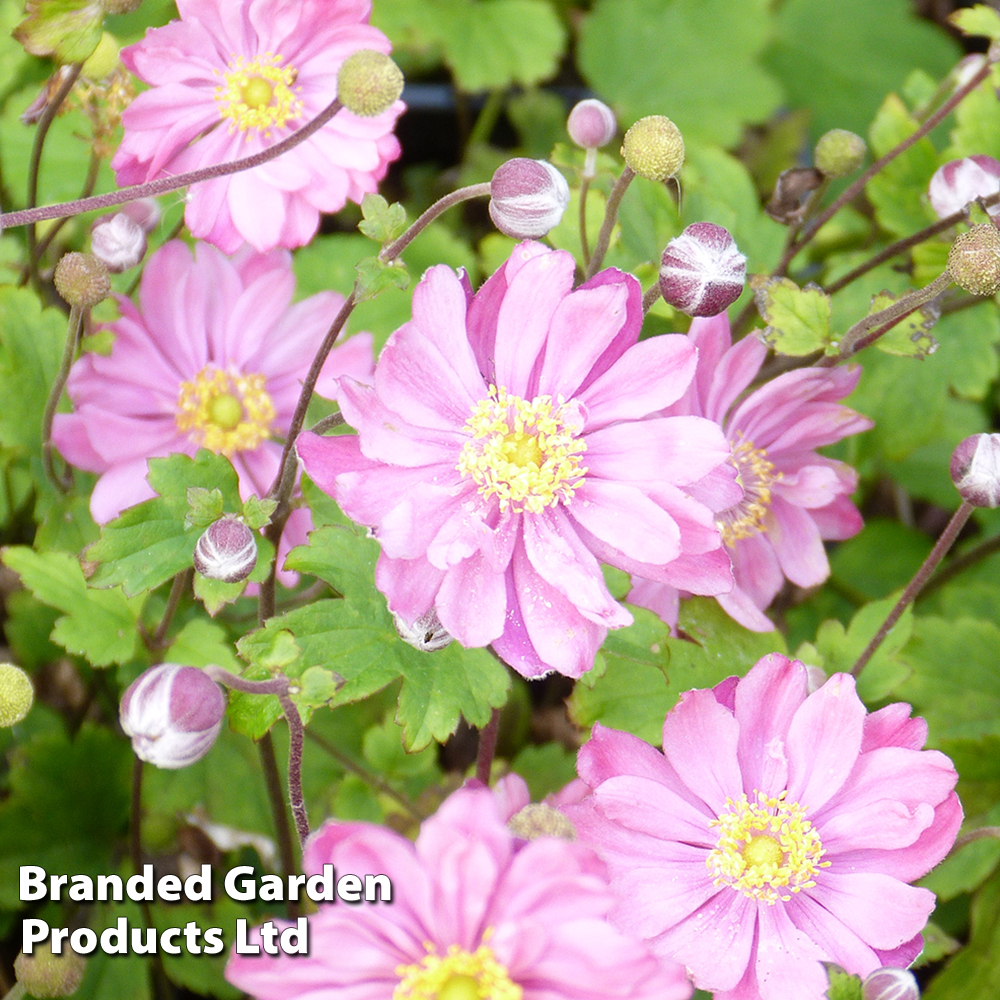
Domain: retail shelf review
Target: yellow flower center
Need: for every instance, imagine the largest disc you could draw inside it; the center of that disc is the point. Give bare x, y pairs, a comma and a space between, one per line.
258, 94
764, 847
524, 453
457, 975
225, 412
755, 473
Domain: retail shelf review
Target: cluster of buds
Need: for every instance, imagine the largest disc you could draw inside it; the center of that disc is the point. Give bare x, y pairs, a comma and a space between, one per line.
702, 272
527, 198
226, 551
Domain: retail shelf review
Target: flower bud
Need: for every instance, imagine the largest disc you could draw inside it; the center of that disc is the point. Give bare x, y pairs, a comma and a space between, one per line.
118, 241
890, 984
144, 211
45, 975
591, 124
227, 551
839, 153
16, 694
369, 83
539, 820
654, 148
961, 182
974, 260
702, 272
426, 633
81, 279
527, 198
172, 714
975, 469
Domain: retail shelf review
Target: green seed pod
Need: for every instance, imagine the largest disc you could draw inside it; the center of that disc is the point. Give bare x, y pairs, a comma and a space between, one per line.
369, 83
81, 279
46, 975
654, 148
839, 153
974, 260
16, 694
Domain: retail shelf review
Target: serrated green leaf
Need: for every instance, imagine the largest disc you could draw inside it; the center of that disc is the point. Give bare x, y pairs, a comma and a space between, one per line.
977, 122
980, 20
206, 507
317, 686
383, 749
200, 643
911, 337
216, 594
376, 275
382, 222
798, 319
937, 946
97, 624
257, 512
843, 985
273, 649
965, 869
68, 30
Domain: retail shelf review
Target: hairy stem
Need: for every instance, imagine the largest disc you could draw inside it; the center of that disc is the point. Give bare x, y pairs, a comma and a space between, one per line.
963, 562
983, 833
181, 582
392, 251
610, 217
487, 747
295, 797
77, 316
650, 297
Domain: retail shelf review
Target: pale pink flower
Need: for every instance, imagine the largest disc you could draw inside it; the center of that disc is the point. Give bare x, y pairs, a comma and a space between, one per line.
214, 357
960, 182
233, 77
793, 497
510, 443
522, 920
775, 831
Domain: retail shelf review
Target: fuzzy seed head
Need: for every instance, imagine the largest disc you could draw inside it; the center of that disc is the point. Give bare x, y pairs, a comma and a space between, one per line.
974, 260
46, 975
654, 148
81, 279
369, 83
16, 694
539, 820
839, 153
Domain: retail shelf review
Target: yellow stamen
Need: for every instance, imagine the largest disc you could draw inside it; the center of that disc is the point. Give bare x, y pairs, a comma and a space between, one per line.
225, 412
456, 975
524, 453
764, 847
258, 94
755, 473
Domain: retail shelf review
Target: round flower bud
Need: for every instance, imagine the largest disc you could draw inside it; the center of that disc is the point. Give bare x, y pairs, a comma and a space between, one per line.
890, 984
103, 61
369, 83
227, 551
975, 469
45, 975
839, 153
539, 820
426, 633
961, 182
654, 148
527, 198
702, 272
591, 124
974, 260
16, 694
81, 279
118, 241
172, 714
144, 211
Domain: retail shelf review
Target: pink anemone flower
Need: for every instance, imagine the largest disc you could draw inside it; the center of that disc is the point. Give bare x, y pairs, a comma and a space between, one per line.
475, 912
509, 443
793, 498
230, 79
213, 357
777, 829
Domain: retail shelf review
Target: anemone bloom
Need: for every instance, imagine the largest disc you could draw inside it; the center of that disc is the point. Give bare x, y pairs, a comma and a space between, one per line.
233, 77
510, 442
475, 913
213, 357
793, 498
777, 829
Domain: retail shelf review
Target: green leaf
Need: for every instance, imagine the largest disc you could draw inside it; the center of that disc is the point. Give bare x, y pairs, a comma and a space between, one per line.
216, 594
257, 513
206, 506
97, 624
843, 985
977, 120
68, 30
384, 751
376, 275
911, 337
937, 946
200, 643
879, 560
798, 319
980, 20
546, 768
382, 222
967, 868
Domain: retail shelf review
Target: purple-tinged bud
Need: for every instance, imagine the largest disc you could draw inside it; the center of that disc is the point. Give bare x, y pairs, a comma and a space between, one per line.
16, 694
227, 551
527, 198
654, 148
144, 211
45, 975
702, 272
369, 83
81, 279
540, 820
426, 633
591, 124
974, 260
890, 984
118, 241
839, 153
975, 469
961, 182
172, 714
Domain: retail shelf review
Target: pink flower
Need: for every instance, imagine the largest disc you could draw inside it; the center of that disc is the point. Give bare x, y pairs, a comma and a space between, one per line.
793, 497
521, 920
777, 829
233, 77
213, 357
504, 450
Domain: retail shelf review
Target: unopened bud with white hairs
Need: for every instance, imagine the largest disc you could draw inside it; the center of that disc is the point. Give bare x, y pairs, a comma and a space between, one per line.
890, 984
226, 551
960, 182
975, 469
527, 198
426, 633
119, 241
702, 271
591, 124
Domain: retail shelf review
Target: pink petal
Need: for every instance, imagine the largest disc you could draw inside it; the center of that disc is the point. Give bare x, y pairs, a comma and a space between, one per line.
409, 585
795, 538
471, 601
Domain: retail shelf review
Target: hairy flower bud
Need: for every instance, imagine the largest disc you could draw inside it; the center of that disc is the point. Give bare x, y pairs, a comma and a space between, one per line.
118, 241
426, 633
16, 694
143, 211
527, 198
961, 182
890, 984
539, 820
839, 153
974, 260
227, 551
591, 124
975, 469
702, 272
369, 83
654, 148
46, 975
172, 714
81, 279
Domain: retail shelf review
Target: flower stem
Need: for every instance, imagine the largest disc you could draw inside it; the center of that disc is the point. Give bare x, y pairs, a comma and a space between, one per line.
963, 562
295, 797
394, 249
487, 747
276, 796
180, 584
584, 244
941, 547
77, 317
650, 297
983, 833
610, 217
